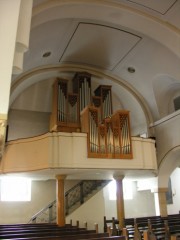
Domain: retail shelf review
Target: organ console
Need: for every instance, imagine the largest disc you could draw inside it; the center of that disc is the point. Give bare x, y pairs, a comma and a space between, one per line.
108, 133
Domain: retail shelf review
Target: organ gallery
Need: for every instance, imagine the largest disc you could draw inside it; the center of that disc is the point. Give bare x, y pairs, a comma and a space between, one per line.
108, 133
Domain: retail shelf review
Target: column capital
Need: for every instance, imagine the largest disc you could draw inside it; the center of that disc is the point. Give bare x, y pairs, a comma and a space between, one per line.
160, 190
61, 177
118, 177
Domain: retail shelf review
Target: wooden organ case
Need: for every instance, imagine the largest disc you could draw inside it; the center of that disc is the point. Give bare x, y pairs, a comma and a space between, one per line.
108, 133
65, 110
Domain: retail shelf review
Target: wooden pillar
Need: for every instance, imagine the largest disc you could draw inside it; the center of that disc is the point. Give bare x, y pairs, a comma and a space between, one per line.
60, 200
162, 201
120, 200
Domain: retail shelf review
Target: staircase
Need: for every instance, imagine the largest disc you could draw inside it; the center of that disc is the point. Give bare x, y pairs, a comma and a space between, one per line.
74, 198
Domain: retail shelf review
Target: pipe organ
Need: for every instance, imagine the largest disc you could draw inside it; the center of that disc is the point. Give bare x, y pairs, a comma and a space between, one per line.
108, 133
109, 139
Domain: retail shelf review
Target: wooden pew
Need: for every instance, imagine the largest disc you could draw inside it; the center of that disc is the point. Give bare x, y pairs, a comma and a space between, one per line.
115, 231
18, 234
154, 227
131, 221
78, 237
87, 235
111, 238
175, 237
32, 227
174, 229
69, 237
148, 235
52, 232
37, 229
159, 230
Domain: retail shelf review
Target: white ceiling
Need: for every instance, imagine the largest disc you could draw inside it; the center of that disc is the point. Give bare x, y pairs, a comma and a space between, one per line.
160, 6
105, 38
98, 45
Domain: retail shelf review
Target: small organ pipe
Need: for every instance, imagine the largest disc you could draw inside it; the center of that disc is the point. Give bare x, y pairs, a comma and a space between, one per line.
90, 137
59, 103
109, 103
105, 107
85, 93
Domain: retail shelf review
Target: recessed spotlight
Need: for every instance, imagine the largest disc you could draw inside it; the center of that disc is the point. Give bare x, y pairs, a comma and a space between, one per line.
46, 54
131, 69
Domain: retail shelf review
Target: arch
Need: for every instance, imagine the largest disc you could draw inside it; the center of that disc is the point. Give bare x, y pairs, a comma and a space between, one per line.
29, 78
170, 162
165, 88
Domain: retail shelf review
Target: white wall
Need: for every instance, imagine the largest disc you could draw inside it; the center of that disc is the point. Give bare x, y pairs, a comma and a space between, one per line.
99, 206
167, 135
23, 124
142, 204
93, 211
43, 192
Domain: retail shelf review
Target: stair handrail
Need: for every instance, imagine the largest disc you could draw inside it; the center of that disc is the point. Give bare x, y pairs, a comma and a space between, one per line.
50, 205
79, 199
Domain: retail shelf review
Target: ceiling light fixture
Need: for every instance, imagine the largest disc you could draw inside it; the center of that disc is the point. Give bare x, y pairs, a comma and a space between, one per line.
46, 54
131, 70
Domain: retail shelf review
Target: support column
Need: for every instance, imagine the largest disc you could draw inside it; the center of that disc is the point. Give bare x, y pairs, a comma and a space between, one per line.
162, 201
120, 200
60, 199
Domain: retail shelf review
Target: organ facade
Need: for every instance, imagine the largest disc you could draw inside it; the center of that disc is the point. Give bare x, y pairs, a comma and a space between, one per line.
108, 133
